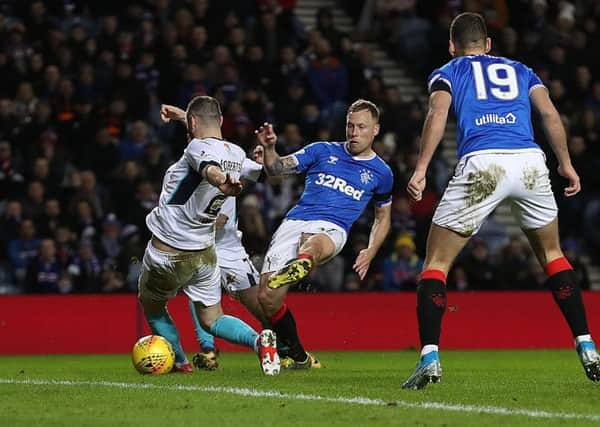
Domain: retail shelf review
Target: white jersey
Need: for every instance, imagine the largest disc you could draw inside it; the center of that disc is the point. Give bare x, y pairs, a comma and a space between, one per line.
229, 238
189, 204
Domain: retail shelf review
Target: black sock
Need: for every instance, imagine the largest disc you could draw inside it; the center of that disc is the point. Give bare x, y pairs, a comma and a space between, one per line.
284, 326
567, 295
431, 304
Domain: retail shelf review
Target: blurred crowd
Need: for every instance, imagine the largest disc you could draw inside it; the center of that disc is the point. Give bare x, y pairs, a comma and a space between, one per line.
83, 150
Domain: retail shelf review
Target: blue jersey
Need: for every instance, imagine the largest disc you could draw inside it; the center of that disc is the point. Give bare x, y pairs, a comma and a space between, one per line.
490, 98
338, 185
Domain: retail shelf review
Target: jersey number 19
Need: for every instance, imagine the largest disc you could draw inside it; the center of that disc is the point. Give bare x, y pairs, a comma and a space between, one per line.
502, 78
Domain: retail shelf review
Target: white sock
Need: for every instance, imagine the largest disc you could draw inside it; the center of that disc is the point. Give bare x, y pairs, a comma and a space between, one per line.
581, 338
428, 349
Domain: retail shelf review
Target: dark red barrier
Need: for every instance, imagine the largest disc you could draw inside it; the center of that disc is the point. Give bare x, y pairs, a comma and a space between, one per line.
373, 321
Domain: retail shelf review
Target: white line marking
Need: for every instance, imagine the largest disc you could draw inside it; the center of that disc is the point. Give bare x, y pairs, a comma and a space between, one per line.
365, 401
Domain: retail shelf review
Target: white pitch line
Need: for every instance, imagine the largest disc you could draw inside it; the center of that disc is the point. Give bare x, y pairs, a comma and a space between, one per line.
365, 401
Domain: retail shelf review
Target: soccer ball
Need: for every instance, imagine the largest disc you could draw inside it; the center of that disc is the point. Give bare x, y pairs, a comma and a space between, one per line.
153, 354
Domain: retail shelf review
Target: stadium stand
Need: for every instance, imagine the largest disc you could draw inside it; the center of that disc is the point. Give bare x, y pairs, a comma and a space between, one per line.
83, 150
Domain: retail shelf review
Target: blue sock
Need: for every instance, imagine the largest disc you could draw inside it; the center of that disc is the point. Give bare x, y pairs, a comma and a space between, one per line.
162, 324
206, 340
234, 330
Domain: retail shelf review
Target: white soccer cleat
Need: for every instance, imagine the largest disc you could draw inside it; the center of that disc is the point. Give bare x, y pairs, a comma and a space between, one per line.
590, 359
267, 352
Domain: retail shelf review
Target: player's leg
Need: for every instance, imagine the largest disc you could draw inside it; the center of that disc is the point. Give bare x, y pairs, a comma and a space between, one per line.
443, 246
480, 183
205, 290
312, 251
156, 285
296, 241
562, 281
207, 357
240, 279
535, 207
239, 332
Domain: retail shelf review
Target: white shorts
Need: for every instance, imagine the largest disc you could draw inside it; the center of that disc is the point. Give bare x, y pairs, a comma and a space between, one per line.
286, 241
238, 275
164, 273
484, 179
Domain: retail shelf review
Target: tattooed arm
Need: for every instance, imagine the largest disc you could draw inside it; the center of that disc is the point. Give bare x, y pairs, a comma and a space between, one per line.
286, 165
273, 163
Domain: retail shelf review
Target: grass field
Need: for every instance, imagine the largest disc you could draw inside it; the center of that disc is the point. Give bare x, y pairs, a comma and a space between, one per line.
531, 388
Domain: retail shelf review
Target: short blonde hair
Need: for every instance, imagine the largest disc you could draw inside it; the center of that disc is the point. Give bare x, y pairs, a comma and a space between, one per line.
363, 104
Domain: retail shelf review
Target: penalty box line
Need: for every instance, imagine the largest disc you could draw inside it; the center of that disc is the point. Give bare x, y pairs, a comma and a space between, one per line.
363, 401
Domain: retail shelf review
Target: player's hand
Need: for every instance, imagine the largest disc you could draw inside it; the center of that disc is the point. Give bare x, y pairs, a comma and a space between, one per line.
265, 135
363, 262
416, 185
221, 221
569, 173
259, 154
231, 187
170, 112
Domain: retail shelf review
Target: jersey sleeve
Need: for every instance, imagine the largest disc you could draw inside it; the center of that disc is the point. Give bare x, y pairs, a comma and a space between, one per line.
439, 80
200, 155
533, 80
308, 156
251, 170
383, 192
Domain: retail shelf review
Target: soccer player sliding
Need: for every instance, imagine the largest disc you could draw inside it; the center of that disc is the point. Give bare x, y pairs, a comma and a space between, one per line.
341, 179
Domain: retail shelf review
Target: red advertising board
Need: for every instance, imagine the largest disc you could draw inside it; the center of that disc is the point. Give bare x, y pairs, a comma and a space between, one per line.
349, 321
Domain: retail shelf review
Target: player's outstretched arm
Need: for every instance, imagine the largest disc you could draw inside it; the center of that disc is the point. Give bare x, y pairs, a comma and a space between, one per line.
274, 164
433, 131
379, 231
216, 177
555, 132
170, 112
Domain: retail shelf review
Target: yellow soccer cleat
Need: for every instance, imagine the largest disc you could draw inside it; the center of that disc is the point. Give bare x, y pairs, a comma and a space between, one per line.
293, 272
311, 362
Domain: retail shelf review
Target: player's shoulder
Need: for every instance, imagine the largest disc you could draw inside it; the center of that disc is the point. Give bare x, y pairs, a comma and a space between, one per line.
216, 146
325, 145
321, 147
382, 166
234, 148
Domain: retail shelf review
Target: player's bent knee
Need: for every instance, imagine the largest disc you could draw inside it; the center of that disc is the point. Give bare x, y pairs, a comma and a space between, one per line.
269, 301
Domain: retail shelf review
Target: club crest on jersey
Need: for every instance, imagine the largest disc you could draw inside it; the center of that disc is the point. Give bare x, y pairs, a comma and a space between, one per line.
332, 160
366, 176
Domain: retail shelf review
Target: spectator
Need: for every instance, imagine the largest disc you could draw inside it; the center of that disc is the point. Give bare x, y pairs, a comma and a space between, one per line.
51, 219
11, 175
513, 265
326, 27
46, 274
109, 244
23, 249
255, 237
85, 269
328, 79
138, 136
33, 203
480, 272
84, 220
401, 269
10, 223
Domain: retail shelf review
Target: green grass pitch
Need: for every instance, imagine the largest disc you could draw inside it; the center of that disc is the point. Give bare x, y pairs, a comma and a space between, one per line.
478, 388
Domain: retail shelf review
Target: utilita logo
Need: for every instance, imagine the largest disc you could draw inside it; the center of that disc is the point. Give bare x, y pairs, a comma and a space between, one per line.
508, 119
